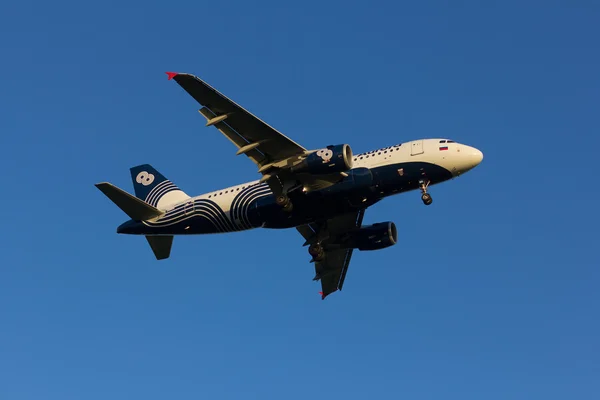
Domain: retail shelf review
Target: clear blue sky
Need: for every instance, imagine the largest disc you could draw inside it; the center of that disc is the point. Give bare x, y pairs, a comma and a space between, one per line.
492, 292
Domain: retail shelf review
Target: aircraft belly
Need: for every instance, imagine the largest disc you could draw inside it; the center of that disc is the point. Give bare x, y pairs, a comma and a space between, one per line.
343, 198
307, 209
257, 208
402, 177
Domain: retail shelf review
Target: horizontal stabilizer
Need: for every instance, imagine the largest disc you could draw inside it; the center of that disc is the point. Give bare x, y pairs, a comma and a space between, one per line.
135, 208
161, 246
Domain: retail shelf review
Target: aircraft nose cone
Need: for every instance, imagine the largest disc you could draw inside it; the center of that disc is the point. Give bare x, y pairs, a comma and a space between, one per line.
469, 157
477, 156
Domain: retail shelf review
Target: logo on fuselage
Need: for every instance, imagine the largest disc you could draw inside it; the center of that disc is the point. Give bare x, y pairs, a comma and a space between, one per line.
144, 178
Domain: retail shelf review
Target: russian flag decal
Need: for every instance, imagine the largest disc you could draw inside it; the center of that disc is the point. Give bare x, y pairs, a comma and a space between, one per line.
443, 148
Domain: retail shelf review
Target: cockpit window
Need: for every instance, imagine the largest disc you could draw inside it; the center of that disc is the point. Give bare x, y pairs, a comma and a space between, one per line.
442, 141
450, 141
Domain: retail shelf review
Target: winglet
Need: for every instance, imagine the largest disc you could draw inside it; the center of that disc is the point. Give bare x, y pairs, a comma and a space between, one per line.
171, 75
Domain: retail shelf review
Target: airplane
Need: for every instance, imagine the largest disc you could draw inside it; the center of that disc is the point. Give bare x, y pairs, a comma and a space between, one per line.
322, 193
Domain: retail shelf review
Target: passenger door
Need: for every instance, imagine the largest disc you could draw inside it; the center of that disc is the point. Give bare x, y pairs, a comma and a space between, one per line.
416, 147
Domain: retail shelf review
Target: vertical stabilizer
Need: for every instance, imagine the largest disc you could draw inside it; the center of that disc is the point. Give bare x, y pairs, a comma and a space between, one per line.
153, 188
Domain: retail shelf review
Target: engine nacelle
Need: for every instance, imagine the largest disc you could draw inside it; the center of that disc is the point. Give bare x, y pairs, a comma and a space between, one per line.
373, 237
331, 159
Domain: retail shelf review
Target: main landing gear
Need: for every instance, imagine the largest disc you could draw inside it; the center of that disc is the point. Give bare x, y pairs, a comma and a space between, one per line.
284, 202
426, 197
316, 251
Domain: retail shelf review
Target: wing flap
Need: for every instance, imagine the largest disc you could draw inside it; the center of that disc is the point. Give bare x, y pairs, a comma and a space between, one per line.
307, 233
331, 271
255, 155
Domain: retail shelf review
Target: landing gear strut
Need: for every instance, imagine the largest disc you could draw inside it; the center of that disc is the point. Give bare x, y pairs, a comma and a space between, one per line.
284, 202
316, 251
426, 197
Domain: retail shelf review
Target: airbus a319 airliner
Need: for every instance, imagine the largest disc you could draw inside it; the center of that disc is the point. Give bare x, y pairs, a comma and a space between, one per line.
323, 193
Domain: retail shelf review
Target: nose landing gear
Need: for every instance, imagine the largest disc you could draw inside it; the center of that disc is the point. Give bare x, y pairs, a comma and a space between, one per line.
426, 197
427, 200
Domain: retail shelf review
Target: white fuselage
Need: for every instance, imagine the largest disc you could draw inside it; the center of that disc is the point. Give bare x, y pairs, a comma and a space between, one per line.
457, 159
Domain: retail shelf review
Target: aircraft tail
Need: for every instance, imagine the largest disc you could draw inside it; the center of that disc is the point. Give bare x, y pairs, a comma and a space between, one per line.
153, 188
138, 210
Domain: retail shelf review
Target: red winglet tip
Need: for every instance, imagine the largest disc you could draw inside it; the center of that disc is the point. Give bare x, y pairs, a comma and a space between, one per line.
171, 75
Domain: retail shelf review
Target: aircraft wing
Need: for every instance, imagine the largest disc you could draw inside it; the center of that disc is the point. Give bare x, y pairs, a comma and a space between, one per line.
332, 270
253, 137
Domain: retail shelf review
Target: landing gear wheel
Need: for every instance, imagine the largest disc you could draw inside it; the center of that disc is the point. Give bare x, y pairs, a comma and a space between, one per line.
426, 197
284, 202
427, 200
281, 200
316, 251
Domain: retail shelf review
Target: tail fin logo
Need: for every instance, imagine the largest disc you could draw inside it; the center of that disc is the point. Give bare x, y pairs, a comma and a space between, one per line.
144, 178
152, 187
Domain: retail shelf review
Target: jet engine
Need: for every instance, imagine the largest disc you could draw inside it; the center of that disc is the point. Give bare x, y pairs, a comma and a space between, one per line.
331, 159
373, 237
